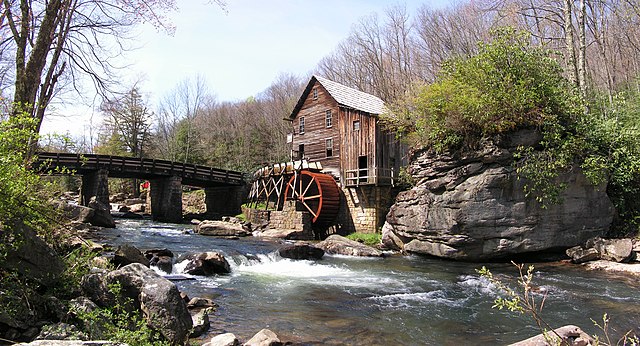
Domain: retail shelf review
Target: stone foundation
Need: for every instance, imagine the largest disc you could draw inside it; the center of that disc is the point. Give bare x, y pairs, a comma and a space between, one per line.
364, 208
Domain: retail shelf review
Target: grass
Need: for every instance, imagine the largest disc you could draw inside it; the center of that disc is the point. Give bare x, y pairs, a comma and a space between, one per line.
371, 239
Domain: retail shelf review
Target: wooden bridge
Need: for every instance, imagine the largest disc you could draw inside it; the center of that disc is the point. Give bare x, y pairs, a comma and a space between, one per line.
223, 188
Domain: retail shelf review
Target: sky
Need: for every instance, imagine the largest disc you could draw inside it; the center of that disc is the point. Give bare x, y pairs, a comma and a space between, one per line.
239, 51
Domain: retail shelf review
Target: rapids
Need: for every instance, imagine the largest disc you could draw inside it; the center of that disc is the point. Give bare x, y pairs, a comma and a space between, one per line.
390, 301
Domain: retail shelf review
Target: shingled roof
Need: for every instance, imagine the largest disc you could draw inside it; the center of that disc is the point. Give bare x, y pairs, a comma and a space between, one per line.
344, 95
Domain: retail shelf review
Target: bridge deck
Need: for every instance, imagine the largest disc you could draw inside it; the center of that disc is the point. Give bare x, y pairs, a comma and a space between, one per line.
129, 167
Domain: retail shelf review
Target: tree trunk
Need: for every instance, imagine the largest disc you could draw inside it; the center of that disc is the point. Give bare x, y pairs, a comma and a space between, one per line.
570, 52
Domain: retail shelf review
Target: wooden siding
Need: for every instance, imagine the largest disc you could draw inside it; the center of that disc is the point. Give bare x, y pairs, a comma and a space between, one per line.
358, 143
316, 132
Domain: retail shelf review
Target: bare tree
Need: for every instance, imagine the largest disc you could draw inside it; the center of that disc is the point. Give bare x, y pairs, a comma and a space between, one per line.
176, 132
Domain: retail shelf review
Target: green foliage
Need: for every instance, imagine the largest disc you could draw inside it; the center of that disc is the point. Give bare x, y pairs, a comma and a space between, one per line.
508, 85
612, 142
22, 192
371, 239
118, 323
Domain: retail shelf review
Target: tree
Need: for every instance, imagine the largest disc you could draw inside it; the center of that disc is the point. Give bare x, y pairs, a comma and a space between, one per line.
59, 44
128, 122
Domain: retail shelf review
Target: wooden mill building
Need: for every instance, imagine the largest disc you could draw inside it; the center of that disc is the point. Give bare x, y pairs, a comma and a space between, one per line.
338, 127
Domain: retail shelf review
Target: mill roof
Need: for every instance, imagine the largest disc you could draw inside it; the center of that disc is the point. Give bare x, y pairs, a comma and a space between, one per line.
344, 95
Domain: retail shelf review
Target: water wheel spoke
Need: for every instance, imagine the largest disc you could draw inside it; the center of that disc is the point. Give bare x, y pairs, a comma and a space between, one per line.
313, 197
308, 186
293, 189
309, 209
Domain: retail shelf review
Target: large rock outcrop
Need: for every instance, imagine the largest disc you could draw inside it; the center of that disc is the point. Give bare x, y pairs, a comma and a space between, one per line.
473, 207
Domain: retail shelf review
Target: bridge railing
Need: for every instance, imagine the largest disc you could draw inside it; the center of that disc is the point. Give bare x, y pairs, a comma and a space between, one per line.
143, 165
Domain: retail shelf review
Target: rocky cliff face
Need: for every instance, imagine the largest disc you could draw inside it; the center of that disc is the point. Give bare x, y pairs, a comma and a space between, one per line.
474, 208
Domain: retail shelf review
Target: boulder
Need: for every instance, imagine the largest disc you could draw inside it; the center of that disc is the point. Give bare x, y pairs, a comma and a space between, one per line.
226, 339
567, 335
264, 337
206, 263
201, 323
390, 240
199, 303
339, 245
161, 258
301, 252
615, 250
472, 206
61, 331
158, 298
31, 256
221, 229
137, 208
101, 215
578, 254
126, 254
75, 212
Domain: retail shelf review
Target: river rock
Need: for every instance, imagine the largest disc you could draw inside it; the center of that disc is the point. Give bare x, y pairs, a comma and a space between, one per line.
264, 337
301, 252
472, 206
221, 228
339, 245
289, 234
578, 254
157, 298
568, 335
201, 323
200, 303
126, 254
75, 212
101, 215
226, 339
615, 250
161, 258
206, 263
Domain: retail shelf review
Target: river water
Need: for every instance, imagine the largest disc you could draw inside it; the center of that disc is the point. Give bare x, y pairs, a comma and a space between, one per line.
396, 300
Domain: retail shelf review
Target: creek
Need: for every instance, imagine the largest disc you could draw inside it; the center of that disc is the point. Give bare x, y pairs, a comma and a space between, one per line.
398, 300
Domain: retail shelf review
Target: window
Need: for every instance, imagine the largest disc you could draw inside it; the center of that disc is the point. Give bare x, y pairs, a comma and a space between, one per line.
328, 118
356, 125
315, 93
300, 151
329, 147
301, 125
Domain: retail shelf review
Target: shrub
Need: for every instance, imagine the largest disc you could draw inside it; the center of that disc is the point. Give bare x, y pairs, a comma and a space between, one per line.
507, 86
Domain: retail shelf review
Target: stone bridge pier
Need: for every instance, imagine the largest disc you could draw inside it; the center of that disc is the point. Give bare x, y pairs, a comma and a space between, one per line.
224, 200
95, 184
164, 201
165, 196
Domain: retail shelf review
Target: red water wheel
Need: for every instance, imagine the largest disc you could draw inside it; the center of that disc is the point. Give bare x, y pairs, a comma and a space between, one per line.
318, 193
